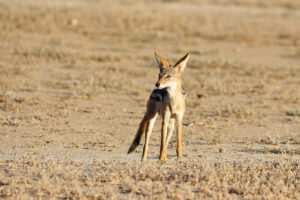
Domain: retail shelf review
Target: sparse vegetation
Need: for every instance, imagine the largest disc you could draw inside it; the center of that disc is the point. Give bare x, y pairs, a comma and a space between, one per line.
250, 179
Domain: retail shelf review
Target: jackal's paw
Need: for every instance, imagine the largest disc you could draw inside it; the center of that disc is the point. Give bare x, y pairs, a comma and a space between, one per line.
179, 158
143, 160
163, 160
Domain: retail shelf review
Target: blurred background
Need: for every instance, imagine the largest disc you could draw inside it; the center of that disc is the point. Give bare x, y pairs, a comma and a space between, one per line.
76, 75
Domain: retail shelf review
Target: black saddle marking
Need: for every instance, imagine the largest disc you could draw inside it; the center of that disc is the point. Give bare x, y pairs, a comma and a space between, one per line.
159, 94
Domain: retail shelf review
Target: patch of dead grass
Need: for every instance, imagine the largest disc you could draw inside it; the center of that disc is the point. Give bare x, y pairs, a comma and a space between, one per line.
56, 179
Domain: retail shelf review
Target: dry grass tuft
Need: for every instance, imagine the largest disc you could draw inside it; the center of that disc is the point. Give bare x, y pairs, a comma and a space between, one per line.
293, 113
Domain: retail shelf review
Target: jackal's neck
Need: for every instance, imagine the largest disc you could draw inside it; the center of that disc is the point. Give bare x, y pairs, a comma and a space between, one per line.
174, 89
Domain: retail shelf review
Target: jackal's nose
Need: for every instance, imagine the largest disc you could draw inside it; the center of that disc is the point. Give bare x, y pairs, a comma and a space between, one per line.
157, 84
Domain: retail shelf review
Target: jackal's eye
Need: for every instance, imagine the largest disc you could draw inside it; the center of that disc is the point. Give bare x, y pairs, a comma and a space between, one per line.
168, 76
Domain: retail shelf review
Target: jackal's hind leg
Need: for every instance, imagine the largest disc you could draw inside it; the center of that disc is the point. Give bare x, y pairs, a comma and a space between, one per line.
151, 121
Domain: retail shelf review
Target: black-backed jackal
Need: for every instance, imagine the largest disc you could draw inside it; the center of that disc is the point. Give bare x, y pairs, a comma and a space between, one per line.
168, 101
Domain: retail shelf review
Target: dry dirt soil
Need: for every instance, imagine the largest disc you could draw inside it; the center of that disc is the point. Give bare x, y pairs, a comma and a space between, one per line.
75, 77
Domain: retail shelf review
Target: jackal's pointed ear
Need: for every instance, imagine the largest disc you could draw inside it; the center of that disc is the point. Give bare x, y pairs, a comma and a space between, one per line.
181, 64
161, 62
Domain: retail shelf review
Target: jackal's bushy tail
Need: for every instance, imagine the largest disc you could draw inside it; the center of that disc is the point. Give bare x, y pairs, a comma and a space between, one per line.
139, 134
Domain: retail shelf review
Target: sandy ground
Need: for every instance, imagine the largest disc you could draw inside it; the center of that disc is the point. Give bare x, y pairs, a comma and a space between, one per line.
75, 77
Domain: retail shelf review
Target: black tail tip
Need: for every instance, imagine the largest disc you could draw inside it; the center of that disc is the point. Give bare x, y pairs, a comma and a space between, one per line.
132, 148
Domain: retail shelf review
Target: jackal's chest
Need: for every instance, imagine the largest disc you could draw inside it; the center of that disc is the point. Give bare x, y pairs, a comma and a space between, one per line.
167, 103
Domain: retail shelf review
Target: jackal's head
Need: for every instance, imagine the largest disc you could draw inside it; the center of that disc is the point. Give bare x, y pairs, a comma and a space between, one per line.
170, 76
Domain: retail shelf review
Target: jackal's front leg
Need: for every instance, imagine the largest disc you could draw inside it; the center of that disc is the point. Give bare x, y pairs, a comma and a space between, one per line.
163, 149
170, 131
179, 135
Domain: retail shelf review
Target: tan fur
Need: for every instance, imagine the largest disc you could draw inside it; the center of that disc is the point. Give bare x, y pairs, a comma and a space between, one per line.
171, 108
